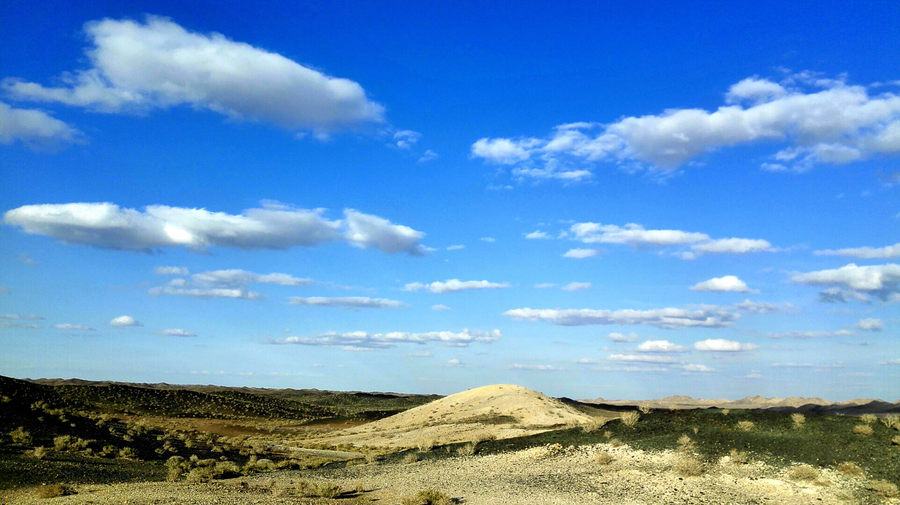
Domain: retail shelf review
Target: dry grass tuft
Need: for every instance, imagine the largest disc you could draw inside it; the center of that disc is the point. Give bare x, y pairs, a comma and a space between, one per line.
850, 468
39, 452
603, 458
410, 458
645, 408
746, 425
615, 442
55, 490
803, 472
428, 497
467, 449
685, 443
863, 429
688, 466
868, 418
884, 488
799, 419
725, 412
630, 418
891, 421
738, 457
896, 440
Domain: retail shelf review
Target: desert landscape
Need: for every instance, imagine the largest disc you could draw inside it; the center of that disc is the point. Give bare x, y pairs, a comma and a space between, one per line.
69, 441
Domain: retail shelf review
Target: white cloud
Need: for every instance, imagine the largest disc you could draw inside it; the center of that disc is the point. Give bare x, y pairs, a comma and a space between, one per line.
813, 120
347, 301
73, 327
895, 361
30, 317
456, 247
722, 345
157, 63
882, 281
274, 226
792, 364
177, 332
733, 246
725, 283
635, 235
453, 285
762, 307
641, 358
36, 129
169, 270
237, 277
489, 240
576, 286
236, 293
870, 324
405, 139
886, 252
440, 307
537, 235
427, 156
622, 337
697, 368
709, 317
535, 368
837, 295
581, 253
660, 346
124, 321
453, 362
802, 335
545, 285
365, 340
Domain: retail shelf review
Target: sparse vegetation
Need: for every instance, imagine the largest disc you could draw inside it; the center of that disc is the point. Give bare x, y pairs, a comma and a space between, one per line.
803, 472
685, 443
863, 429
884, 488
738, 457
468, 449
850, 468
55, 490
20, 436
603, 458
688, 466
725, 412
891, 421
630, 418
428, 497
868, 418
410, 458
746, 425
798, 419
39, 452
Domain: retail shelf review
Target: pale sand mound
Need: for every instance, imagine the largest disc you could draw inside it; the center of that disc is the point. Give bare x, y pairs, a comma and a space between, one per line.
498, 411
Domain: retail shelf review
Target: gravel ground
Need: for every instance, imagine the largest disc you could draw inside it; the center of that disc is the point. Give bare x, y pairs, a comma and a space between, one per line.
543, 475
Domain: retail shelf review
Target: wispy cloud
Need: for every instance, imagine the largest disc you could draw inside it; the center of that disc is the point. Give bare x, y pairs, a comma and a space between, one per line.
711, 317
722, 345
452, 285
346, 302
124, 321
362, 339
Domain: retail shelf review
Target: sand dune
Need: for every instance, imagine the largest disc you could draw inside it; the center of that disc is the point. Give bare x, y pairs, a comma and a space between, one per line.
497, 411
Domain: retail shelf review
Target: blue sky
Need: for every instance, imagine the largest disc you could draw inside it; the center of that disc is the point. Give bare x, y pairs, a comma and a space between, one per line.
590, 200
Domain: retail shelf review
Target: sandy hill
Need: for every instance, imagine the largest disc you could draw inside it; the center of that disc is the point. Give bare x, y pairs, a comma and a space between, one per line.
498, 411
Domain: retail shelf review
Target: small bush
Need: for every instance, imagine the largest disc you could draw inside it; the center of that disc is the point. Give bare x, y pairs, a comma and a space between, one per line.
630, 418
39, 452
329, 490
868, 418
226, 470
201, 474
688, 466
725, 412
685, 443
20, 436
428, 497
798, 419
896, 440
863, 429
109, 450
467, 449
603, 458
616, 442
55, 490
410, 458
68, 443
892, 421
645, 409
738, 457
850, 468
746, 425
803, 472
884, 488
426, 445
127, 453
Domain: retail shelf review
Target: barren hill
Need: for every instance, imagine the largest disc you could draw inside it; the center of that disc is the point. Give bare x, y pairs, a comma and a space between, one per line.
498, 411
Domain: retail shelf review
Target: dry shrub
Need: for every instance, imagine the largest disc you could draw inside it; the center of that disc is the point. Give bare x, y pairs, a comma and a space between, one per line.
868, 418
127, 453
688, 466
892, 421
738, 457
410, 458
896, 440
746, 425
593, 425
863, 429
603, 458
645, 408
467, 449
685, 443
799, 419
615, 442
428, 497
20, 436
803, 472
630, 418
426, 445
607, 434
850, 468
54, 490
725, 412
884, 488
39, 452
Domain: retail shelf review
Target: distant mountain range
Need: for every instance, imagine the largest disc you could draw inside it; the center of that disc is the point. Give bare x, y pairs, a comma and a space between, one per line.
856, 406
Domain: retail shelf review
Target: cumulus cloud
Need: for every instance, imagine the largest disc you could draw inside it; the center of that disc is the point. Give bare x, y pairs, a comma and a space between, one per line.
347, 302
453, 285
886, 252
641, 358
668, 318
870, 324
159, 64
453, 362
660, 346
235, 293
576, 286
581, 253
722, 345
440, 307
36, 129
690, 367
73, 327
882, 281
636, 235
811, 120
537, 235
366, 340
274, 226
237, 277
124, 321
177, 332
535, 368
405, 139
170, 270
725, 283
802, 335
623, 337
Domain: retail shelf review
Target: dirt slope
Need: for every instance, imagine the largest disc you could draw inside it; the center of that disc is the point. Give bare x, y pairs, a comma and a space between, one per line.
498, 411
